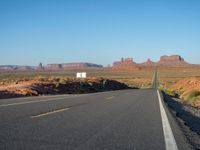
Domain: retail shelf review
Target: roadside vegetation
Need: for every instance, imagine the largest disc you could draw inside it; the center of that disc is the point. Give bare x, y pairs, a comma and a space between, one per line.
193, 97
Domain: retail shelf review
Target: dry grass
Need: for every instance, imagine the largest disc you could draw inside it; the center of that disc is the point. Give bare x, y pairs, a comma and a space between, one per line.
169, 76
182, 83
140, 78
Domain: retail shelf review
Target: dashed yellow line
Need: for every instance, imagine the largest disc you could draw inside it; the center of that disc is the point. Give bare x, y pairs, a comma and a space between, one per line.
49, 113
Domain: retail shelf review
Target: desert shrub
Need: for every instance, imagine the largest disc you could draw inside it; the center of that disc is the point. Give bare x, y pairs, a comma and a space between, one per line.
170, 92
40, 78
62, 81
193, 94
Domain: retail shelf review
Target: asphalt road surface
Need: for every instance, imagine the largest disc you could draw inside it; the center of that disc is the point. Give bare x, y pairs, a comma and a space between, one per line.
116, 120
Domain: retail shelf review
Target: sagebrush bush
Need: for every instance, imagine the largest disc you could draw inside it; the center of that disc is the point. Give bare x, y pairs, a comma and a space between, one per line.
193, 94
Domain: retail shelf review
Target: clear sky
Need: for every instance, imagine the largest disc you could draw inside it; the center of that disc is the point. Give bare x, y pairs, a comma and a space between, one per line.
98, 31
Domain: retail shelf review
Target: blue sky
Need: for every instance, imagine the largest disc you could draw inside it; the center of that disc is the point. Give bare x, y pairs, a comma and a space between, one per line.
58, 31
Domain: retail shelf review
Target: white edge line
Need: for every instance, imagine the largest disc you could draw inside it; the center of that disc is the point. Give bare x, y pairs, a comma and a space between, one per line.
170, 142
49, 113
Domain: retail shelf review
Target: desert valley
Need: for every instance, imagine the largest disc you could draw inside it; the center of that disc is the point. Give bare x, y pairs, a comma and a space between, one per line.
176, 77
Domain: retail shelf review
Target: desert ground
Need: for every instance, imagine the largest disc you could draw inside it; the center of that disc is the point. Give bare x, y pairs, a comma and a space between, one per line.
180, 82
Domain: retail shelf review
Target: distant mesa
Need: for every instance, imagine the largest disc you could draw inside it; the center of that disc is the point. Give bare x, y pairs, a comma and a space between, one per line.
174, 60
67, 66
80, 65
51, 67
24, 68
8, 67
125, 64
15, 68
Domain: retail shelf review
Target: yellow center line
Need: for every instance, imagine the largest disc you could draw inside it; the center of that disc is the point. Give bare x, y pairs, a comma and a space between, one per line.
49, 113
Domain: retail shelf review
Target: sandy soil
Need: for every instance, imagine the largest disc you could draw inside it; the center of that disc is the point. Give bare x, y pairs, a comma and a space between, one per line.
58, 86
184, 87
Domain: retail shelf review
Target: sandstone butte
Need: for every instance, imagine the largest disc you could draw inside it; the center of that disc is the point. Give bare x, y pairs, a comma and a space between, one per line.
165, 61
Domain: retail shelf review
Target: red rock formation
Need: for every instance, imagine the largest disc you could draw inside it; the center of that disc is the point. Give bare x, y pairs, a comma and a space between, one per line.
24, 68
123, 63
174, 60
67, 66
53, 67
127, 64
148, 63
80, 65
40, 67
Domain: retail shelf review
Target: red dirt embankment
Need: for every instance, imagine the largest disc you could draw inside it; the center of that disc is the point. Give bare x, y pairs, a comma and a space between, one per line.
188, 90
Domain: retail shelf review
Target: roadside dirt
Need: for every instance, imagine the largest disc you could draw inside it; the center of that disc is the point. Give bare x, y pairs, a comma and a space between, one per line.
185, 87
50, 86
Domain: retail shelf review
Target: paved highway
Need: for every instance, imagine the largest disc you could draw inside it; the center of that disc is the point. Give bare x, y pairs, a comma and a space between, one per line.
116, 120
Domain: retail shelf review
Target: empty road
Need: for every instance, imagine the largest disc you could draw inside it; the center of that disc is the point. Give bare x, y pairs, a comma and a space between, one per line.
116, 120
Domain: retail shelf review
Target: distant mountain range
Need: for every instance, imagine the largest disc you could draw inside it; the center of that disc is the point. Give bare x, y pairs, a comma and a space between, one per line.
40, 67
124, 63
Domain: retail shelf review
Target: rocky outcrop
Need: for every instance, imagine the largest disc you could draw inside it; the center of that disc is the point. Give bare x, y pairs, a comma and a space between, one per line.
16, 68
66, 66
24, 68
125, 64
59, 86
8, 67
53, 67
80, 65
148, 63
174, 60
40, 67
